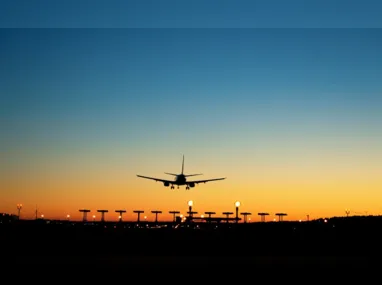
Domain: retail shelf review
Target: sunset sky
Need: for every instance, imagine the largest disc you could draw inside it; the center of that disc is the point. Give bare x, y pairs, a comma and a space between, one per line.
291, 116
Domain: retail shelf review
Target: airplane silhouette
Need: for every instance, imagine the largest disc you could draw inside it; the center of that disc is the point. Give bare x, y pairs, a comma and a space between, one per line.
180, 179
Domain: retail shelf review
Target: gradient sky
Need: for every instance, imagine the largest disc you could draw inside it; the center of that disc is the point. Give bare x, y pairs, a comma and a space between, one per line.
191, 13
292, 118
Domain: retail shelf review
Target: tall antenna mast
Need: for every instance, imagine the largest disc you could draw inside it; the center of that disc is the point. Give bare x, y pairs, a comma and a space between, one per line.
36, 212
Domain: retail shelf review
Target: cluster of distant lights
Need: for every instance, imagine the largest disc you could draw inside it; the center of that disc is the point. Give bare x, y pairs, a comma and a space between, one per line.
190, 204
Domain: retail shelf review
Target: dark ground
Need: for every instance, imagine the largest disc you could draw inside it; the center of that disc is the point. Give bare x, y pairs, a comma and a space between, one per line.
338, 245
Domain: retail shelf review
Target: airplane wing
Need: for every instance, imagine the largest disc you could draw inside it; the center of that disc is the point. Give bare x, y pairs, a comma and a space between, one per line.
204, 181
156, 179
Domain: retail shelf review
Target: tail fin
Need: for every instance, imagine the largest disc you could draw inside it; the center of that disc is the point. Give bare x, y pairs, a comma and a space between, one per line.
183, 164
188, 174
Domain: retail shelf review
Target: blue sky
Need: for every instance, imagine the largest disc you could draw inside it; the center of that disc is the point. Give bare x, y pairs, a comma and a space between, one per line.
169, 87
188, 79
191, 14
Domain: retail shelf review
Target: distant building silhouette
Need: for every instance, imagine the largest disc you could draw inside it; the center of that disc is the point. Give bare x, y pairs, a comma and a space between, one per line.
7, 218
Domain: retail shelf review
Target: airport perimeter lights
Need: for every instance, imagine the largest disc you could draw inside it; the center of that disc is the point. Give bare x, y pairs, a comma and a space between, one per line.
237, 205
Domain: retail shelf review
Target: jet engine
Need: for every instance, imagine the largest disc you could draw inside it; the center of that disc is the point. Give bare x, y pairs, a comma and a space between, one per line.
166, 184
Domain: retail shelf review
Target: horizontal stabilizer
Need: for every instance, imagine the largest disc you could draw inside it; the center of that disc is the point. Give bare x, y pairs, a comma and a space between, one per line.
193, 174
171, 174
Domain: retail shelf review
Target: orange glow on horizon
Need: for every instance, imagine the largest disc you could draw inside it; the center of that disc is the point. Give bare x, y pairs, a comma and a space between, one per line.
297, 192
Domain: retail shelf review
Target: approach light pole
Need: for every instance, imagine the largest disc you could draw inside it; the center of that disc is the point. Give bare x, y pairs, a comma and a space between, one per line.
120, 214
237, 205
139, 212
156, 212
227, 215
262, 215
84, 214
190, 204
245, 214
209, 216
174, 215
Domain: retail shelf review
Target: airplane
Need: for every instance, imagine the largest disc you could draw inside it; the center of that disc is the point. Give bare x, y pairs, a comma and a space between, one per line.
180, 179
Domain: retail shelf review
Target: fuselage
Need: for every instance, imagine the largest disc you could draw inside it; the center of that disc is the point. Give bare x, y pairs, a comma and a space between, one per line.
180, 179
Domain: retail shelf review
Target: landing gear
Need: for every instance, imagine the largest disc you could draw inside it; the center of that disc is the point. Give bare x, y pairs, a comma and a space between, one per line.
187, 187
172, 186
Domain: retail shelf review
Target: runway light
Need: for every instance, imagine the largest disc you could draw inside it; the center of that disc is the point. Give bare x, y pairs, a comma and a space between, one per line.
190, 203
237, 204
